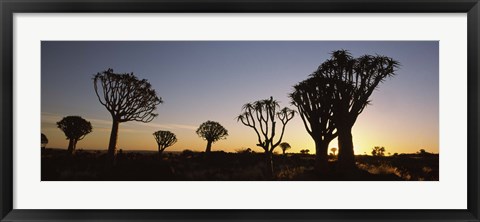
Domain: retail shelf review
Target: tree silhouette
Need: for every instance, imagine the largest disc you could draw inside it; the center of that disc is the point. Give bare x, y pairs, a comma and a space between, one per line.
352, 80
262, 116
378, 151
285, 146
211, 132
334, 150
164, 139
305, 151
127, 99
313, 99
44, 141
247, 150
75, 129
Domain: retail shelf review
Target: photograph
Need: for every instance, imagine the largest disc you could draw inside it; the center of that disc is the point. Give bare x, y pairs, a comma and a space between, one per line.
242, 110
239, 110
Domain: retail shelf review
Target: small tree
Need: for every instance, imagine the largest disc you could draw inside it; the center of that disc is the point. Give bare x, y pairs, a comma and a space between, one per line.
262, 117
164, 139
44, 141
127, 99
75, 129
211, 132
422, 152
334, 150
378, 151
305, 151
285, 146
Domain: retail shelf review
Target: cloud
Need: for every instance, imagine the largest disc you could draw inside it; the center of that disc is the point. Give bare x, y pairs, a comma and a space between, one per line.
53, 118
164, 126
50, 119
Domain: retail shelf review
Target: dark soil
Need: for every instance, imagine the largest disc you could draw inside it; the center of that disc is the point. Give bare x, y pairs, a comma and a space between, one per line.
58, 165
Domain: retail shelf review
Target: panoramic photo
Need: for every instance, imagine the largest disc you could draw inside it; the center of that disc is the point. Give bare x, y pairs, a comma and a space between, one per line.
239, 111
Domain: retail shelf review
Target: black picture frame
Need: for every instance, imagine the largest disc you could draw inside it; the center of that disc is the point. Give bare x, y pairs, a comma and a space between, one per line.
9, 7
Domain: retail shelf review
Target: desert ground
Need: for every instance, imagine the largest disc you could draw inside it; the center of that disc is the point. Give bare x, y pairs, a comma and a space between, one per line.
245, 165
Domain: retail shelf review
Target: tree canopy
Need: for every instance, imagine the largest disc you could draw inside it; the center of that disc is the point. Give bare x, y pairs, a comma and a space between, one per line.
164, 139
262, 117
211, 131
75, 128
126, 97
285, 146
378, 151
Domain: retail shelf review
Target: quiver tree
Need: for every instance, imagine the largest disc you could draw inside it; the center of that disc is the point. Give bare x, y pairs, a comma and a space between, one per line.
211, 132
75, 129
164, 139
334, 150
262, 117
285, 146
44, 141
313, 99
127, 99
378, 151
353, 80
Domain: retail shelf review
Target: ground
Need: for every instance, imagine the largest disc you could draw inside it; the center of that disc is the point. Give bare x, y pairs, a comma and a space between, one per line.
58, 165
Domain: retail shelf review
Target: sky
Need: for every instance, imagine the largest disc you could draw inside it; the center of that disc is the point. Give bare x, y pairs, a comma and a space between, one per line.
211, 80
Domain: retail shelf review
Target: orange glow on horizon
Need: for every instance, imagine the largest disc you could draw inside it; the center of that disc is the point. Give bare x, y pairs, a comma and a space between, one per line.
138, 136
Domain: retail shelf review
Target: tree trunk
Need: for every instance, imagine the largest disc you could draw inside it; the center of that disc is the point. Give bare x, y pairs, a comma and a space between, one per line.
74, 145
321, 157
71, 146
346, 156
112, 145
209, 147
160, 151
268, 166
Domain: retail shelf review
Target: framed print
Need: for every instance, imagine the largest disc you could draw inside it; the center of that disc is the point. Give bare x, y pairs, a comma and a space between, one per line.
264, 111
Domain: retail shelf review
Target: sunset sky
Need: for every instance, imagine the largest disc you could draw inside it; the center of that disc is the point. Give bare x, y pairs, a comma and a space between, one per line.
211, 80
